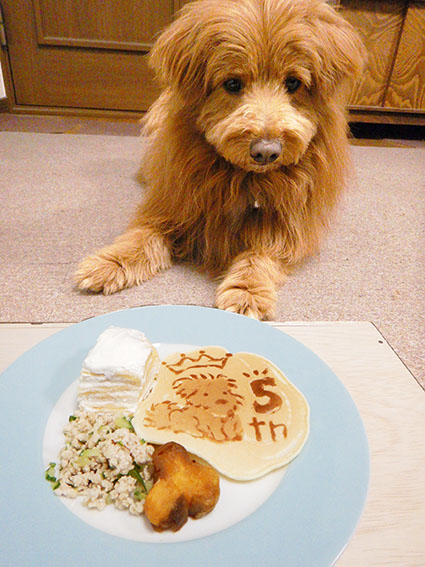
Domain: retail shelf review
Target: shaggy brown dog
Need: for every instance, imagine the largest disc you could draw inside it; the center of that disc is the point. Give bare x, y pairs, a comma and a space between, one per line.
247, 148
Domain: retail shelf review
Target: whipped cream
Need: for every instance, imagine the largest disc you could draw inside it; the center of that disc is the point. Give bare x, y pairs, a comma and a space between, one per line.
121, 365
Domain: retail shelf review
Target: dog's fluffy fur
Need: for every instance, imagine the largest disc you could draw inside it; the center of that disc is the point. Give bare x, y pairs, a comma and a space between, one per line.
208, 199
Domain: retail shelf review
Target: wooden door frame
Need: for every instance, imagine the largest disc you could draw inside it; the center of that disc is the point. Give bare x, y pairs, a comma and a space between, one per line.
7, 79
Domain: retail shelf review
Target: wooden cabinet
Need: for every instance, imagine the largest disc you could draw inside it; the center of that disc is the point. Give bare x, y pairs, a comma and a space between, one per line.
88, 56
392, 89
81, 56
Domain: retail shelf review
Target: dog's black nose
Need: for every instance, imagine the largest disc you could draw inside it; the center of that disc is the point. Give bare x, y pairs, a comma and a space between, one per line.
265, 151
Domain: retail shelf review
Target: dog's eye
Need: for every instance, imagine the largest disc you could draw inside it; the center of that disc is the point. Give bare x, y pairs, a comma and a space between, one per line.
233, 86
292, 84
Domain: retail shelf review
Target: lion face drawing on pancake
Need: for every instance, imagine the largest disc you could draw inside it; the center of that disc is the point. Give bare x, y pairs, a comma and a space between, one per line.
207, 407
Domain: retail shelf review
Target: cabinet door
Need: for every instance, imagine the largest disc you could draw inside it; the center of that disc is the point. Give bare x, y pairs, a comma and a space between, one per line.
406, 90
85, 54
379, 23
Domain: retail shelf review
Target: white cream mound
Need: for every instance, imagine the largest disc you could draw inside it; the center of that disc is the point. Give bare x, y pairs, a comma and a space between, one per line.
117, 371
239, 412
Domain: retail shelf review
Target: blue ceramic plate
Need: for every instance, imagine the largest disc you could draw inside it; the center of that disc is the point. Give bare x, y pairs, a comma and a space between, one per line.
306, 522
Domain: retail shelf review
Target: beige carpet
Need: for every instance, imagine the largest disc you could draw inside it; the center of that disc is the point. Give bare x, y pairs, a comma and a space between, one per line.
64, 195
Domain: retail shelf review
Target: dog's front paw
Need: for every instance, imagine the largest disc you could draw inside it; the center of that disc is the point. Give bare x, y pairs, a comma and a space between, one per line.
100, 273
246, 302
133, 258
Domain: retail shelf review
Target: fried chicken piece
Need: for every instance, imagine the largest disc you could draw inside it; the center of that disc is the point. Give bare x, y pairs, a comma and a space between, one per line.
183, 487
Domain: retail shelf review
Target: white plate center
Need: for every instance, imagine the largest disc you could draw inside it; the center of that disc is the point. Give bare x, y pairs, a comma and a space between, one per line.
237, 499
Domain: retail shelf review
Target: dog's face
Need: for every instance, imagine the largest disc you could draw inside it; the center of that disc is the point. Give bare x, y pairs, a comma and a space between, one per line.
257, 75
258, 113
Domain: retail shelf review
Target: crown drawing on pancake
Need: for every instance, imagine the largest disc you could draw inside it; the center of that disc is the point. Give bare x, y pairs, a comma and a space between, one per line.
202, 360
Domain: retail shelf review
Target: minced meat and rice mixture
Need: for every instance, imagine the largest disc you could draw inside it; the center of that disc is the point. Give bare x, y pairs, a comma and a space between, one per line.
103, 461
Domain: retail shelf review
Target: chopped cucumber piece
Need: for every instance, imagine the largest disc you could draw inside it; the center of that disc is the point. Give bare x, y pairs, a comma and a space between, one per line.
135, 473
50, 472
86, 455
50, 476
122, 421
139, 493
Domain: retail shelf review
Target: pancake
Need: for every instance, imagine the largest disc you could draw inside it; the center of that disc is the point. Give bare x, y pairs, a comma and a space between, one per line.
237, 411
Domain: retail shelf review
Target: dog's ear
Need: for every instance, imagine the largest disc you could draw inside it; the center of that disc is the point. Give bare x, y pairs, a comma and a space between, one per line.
179, 55
341, 50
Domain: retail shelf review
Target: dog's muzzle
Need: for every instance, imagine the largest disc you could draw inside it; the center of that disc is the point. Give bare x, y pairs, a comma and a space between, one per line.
265, 151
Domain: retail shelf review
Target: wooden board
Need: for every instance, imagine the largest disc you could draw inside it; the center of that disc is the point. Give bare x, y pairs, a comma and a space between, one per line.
392, 406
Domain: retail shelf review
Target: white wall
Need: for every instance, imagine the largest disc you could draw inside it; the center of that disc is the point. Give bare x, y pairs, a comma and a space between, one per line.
2, 89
